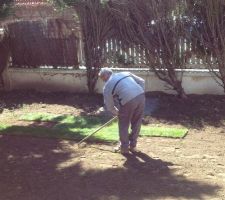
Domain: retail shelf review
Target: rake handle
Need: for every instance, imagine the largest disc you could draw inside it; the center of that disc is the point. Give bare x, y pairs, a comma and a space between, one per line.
95, 131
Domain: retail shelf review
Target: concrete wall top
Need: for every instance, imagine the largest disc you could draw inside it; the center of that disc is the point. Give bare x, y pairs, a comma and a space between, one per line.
198, 81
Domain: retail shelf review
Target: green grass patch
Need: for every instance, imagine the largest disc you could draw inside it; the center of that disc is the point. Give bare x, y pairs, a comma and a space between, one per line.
71, 127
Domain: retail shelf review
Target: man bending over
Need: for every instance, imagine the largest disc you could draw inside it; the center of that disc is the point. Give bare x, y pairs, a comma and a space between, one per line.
124, 96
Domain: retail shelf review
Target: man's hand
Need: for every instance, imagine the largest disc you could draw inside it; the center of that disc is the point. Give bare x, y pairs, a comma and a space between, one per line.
100, 111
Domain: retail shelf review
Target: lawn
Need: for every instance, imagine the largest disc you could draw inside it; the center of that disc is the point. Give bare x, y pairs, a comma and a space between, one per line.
77, 127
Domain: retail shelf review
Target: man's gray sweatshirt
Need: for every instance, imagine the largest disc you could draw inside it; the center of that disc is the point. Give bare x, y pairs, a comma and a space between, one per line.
121, 88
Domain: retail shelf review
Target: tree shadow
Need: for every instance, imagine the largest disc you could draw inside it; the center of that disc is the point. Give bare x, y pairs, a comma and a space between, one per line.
196, 111
16, 99
37, 169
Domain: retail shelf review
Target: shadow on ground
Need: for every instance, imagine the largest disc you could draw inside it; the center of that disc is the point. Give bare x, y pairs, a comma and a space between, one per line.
196, 111
16, 99
37, 169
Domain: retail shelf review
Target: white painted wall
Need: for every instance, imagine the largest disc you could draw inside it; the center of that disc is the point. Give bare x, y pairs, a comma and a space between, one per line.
194, 81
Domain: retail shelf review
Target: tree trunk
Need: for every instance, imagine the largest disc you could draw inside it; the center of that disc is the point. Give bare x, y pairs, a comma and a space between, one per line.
4, 52
180, 90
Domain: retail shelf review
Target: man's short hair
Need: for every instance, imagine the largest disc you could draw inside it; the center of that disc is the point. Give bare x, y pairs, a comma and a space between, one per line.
105, 71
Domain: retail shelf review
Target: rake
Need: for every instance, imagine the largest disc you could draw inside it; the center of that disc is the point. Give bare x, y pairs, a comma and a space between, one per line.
95, 131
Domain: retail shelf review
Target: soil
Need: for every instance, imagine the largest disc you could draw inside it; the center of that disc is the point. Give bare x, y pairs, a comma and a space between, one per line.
168, 169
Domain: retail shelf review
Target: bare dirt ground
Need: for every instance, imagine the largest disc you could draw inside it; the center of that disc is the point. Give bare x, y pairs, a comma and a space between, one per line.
50, 169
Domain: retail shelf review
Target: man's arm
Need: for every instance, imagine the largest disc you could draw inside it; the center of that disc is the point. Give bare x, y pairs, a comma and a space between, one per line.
138, 80
109, 102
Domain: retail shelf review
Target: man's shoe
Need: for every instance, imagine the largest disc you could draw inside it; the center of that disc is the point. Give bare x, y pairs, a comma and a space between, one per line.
134, 150
118, 149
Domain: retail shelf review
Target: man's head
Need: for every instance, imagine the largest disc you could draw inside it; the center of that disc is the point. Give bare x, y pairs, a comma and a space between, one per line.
105, 74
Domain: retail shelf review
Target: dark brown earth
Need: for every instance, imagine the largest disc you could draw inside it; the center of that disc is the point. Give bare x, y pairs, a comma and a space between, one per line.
50, 169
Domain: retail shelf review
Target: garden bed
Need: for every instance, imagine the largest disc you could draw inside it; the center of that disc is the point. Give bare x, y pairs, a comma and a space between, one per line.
189, 168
